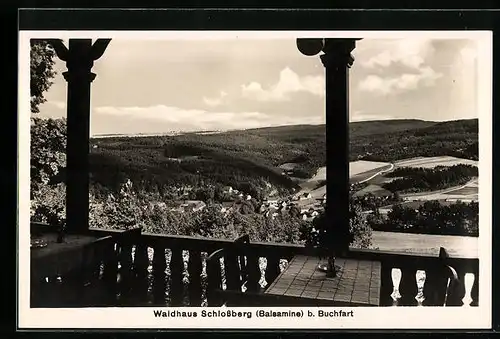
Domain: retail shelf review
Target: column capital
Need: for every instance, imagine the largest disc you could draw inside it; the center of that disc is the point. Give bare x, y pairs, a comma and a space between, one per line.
337, 60
79, 76
338, 52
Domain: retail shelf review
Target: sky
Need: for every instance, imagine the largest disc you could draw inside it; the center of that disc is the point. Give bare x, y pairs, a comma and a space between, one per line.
145, 86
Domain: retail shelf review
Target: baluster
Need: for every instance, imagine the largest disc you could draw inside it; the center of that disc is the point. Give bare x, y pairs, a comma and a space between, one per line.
176, 284
243, 268
232, 270
125, 272
475, 288
272, 269
159, 276
421, 278
468, 283
396, 280
195, 268
408, 287
214, 282
141, 264
386, 285
254, 273
101, 258
110, 274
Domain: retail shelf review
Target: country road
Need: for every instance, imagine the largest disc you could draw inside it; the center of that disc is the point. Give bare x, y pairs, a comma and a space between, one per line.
377, 174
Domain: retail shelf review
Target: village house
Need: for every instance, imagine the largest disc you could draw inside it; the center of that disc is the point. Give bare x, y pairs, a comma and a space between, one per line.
272, 210
322, 200
193, 205
227, 207
306, 195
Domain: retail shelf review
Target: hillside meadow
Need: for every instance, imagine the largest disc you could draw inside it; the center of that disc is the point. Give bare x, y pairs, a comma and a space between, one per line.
254, 156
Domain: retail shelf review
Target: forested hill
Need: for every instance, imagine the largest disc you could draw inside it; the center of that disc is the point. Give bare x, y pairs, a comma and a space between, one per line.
457, 138
249, 159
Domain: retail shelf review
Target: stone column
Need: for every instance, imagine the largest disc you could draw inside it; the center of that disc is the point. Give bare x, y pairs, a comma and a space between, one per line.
337, 61
79, 57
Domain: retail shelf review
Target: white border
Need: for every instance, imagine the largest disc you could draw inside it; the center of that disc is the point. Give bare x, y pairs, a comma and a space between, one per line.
373, 318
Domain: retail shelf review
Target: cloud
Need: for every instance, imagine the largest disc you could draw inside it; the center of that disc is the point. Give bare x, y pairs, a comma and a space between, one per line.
405, 82
413, 55
217, 101
289, 82
168, 119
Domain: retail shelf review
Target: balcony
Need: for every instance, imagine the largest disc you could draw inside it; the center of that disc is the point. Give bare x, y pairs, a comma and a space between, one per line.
166, 270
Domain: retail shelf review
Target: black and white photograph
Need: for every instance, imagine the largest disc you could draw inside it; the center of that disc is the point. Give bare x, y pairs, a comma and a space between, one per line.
255, 179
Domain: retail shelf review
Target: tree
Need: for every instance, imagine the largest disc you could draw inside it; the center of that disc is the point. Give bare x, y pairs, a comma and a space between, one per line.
315, 233
48, 142
41, 72
294, 211
359, 229
48, 150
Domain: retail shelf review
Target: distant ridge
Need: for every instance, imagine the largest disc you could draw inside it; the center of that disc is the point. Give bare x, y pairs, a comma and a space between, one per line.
368, 127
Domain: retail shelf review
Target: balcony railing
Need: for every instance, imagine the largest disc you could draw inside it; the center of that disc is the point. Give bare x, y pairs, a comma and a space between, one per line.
167, 270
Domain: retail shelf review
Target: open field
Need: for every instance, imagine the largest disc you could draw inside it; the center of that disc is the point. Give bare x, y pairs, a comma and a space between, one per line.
318, 192
468, 191
362, 166
320, 174
457, 246
414, 204
359, 171
431, 162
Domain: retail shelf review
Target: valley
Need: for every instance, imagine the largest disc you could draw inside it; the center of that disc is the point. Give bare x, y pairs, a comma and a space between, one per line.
276, 170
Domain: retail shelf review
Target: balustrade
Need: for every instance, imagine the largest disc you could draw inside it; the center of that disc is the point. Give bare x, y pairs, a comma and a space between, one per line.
153, 271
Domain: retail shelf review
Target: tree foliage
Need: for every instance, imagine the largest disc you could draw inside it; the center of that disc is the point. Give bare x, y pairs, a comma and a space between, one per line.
317, 234
48, 151
430, 179
41, 72
424, 139
431, 217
